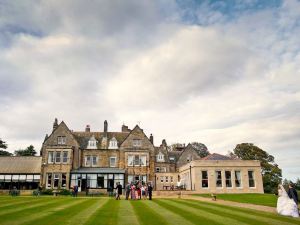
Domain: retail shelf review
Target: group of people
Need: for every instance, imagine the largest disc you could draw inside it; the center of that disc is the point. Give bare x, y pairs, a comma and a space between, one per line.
135, 191
287, 203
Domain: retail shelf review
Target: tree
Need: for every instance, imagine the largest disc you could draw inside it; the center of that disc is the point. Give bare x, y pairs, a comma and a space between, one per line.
3, 145
297, 184
29, 151
175, 146
271, 173
201, 148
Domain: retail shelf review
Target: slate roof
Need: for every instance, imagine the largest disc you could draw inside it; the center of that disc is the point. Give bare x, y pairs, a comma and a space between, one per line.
216, 156
20, 164
175, 154
84, 137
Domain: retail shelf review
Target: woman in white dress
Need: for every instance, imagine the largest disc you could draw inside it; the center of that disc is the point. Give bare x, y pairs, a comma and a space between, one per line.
285, 205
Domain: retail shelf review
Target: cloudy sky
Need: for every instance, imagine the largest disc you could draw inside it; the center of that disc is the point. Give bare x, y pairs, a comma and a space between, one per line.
216, 72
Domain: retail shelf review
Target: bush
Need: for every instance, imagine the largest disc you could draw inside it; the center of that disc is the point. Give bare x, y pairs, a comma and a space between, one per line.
64, 192
47, 192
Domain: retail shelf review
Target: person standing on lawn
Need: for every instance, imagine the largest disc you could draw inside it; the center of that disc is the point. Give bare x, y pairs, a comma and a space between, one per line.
143, 189
133, 192
292, 193
118, 191
139, 191
127, 191
150, 191
285, 205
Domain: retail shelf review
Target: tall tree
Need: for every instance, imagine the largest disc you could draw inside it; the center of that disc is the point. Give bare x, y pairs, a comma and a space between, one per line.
271, 173
297, 185
29, 151
201, 148
3, 145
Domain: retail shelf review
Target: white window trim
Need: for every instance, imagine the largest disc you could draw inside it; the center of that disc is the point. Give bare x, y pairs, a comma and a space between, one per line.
205, 179
216, 178
115, 161
253, 179
241, 180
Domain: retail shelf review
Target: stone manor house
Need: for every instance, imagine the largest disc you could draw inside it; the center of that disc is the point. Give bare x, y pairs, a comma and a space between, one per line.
99, 160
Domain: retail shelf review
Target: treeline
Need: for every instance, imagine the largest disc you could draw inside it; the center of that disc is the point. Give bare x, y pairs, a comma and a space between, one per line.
29, 151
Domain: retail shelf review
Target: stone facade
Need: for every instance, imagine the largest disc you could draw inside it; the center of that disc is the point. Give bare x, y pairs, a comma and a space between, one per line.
202, 176
100, 159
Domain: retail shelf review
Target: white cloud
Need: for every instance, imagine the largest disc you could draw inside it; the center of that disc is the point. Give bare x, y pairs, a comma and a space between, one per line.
224, 83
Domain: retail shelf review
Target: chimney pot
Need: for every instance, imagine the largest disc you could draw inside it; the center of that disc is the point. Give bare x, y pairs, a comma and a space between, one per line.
87, 128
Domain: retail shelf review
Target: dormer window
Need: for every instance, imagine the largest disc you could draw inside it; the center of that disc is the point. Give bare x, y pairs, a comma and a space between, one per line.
113, 143
92, 144
172, 159
61, 140
137, 143
160, 157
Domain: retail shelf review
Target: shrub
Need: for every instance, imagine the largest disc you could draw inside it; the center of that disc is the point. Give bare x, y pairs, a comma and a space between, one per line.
47, 192
64, 192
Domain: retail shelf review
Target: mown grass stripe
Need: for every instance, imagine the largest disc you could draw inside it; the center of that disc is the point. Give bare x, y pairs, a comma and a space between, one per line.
30, 214
28, 205
194, 215
14, 202
106, 215
126, 214
82, 217
271, 218
146, 215
171, 217
245, 218
59, 215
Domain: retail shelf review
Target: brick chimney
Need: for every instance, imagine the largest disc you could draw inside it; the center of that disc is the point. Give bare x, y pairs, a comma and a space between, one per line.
125, 128
151, 138
105, 126
87, 128
55, 124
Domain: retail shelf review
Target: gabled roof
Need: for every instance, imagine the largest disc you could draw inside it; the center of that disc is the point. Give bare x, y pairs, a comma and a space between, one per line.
134, 129
20, 164
216, 156
163, 150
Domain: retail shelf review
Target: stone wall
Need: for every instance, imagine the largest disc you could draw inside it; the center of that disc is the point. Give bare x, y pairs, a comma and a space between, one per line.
211, 166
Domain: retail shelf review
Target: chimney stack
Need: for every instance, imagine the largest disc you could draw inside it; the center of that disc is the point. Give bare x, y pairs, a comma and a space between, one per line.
105, 126
151, 138
87, 128
164, 143
125, 128
55, 124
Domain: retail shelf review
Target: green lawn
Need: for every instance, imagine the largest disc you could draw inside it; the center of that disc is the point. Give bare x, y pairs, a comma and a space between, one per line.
257, 199
93, 211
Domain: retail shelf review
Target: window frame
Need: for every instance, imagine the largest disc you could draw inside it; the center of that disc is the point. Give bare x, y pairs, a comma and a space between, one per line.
52, 157
253, 179
115, 163
218, 179
61, 140
204, 179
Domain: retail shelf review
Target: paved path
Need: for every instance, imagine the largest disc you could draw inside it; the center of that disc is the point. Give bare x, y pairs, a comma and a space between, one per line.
227, 203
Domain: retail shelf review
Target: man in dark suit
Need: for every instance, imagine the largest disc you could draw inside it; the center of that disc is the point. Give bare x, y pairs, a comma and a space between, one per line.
150, 191
293, 193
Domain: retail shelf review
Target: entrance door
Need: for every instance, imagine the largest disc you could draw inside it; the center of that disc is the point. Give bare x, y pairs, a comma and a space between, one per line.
83, 185
110, 184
